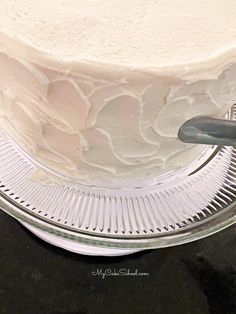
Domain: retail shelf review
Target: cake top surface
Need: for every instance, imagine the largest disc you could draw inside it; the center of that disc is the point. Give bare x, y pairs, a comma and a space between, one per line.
131, 32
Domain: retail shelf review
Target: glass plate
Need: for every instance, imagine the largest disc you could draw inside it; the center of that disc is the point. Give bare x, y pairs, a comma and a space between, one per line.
180, 207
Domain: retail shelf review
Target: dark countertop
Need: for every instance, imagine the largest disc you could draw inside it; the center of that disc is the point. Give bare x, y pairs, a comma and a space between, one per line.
36, 278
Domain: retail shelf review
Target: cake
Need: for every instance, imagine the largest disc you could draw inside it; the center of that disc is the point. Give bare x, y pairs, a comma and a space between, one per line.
96, 90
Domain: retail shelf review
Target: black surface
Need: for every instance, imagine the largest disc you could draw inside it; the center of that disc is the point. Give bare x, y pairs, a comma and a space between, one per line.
36, 278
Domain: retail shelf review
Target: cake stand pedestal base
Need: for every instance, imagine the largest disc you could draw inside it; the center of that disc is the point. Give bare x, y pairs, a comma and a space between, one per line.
76, 247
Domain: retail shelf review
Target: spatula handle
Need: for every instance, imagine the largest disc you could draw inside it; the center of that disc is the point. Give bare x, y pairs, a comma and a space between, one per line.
209, 131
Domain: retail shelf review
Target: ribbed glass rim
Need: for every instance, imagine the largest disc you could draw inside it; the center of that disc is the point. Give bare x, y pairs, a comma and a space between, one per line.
195, 231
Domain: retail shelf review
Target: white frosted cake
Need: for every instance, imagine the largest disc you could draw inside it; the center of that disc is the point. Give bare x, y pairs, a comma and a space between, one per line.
96, 90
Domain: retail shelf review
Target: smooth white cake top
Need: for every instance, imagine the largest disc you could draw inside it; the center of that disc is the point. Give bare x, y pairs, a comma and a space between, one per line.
130, 32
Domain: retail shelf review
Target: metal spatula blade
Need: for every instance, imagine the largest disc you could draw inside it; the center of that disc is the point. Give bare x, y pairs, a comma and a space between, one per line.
208, 131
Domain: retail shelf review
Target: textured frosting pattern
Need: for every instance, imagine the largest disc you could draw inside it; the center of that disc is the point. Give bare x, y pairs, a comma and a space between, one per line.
94, 128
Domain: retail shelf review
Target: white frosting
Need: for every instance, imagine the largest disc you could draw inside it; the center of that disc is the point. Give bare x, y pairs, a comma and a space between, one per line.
137, 32
116, 117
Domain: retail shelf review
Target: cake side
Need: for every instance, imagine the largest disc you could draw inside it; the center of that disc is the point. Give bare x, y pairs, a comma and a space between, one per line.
95, 123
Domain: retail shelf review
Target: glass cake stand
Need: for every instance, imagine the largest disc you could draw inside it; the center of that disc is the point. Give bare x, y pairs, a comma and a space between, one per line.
180, 207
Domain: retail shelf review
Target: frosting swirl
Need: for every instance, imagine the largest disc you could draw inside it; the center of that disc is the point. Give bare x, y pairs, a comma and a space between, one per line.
93, 128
